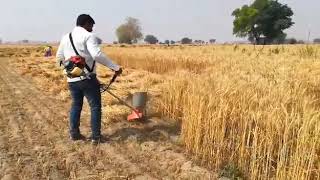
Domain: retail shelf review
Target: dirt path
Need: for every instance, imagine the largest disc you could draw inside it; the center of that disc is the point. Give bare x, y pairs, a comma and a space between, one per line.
34, 141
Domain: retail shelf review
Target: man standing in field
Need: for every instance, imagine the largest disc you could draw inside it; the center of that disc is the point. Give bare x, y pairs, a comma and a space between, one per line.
82, 44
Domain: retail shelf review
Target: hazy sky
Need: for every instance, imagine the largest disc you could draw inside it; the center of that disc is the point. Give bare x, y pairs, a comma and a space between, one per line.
167, 19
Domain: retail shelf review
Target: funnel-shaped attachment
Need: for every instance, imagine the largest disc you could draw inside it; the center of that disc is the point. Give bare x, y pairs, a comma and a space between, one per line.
139, 100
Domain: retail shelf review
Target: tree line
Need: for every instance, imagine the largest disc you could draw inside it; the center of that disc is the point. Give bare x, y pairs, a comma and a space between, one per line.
151, 39
131, 32
262, 22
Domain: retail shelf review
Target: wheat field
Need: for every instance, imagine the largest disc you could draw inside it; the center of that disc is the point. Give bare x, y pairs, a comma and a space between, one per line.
249, 112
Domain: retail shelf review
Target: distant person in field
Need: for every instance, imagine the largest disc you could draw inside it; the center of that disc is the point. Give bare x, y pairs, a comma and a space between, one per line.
79, 61
47, 51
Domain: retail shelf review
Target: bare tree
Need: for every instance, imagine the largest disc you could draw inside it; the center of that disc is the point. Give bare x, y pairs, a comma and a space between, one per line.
130, 31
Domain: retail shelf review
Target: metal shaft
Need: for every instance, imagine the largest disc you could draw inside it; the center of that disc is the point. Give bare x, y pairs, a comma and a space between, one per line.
122, 101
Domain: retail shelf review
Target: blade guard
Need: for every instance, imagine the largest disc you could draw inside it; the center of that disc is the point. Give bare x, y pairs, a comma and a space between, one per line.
135, 115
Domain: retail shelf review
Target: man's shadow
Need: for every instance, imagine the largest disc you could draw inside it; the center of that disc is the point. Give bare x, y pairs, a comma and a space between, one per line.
148, 129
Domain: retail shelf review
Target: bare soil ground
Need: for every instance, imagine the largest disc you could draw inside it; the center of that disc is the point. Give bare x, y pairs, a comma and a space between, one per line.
34, 141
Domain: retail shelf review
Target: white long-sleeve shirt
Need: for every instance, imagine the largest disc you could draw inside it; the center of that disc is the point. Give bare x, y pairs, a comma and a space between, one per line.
87, 45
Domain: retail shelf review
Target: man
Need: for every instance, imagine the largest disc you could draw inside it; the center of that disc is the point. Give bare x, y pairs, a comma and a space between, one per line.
87, 45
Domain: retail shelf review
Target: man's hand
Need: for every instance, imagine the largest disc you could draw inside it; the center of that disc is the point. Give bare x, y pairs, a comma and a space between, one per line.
102, 87
118, 72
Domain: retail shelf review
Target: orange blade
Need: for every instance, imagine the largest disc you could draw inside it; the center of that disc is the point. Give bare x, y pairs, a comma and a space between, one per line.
135, 115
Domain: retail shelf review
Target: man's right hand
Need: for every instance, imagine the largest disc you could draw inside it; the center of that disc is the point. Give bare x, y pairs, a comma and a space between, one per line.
119, 72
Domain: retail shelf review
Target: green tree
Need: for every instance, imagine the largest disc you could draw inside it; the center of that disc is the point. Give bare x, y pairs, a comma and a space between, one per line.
167, 42
212, 41
186, 41
263, 19
130, 31
151, 39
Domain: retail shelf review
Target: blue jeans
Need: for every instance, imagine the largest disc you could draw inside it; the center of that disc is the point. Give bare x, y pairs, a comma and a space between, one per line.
89, 88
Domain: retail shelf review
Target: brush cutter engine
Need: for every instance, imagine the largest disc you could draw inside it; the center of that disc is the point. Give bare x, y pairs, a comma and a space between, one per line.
74, 67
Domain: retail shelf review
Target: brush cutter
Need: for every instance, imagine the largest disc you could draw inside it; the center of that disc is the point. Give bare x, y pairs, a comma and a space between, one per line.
139, 101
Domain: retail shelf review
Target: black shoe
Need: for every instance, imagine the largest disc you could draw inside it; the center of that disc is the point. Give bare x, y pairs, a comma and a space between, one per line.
78, 137
98, 140
95, 141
